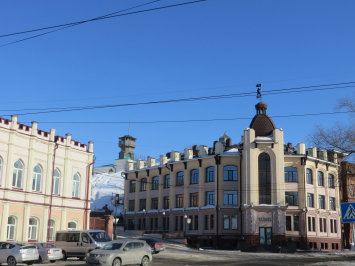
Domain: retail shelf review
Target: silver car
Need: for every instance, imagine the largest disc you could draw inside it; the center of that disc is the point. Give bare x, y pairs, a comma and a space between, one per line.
48, 251
18, 252
121, 252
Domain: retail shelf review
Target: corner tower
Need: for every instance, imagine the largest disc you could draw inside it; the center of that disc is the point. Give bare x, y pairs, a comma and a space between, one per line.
127, 143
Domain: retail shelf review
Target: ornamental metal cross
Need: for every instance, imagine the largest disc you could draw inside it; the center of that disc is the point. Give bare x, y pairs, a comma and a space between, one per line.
258, 92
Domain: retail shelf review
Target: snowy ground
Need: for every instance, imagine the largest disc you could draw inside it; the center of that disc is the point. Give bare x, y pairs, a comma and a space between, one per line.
102, 187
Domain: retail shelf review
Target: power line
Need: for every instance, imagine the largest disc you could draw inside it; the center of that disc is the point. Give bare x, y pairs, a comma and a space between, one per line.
214, 97
67, 25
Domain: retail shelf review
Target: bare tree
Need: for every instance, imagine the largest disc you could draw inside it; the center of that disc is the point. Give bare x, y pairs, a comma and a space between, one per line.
341, 136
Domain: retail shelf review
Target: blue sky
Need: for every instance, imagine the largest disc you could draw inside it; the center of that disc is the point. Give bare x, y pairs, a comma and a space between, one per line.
208, 48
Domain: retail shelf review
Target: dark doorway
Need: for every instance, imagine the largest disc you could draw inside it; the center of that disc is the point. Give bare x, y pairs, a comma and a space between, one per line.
265, 235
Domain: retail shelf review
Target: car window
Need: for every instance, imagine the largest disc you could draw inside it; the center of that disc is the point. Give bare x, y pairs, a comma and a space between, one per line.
112, 246
73, 237
47, 245
7, 246
129, 245
137, 245
84, 238
37, 245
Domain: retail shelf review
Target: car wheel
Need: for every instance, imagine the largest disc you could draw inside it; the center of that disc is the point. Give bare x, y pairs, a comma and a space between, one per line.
11, 261
52, 261
40, 261
116, 262
64, 256
145, 261
30, 262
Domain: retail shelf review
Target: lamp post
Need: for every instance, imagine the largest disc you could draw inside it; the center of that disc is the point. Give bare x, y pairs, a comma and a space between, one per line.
115, 201
124, 222
185, 226
144, 219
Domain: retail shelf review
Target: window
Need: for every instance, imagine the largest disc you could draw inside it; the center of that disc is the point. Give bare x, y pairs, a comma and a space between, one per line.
230, 197
166, 202
324, 225
32, 230
164, 223
309, 176
131, 205
311, 224
212, 222
11, 226
17, 175
310, 200
321, 225
290, 174
332, 203
142, 205
210, 198
191, 222
226, 221
180, 179
288, 223
154, 203
335, 226
76, 183
296, 223
194, 176
264, 179
314, 224
143, 184
320, 179
331, 181
132, 186
194, 199
56, 182
291, 198
234, 222
206, 221
179, 201
155, 183
72, 225
321, 202
36, 182
331, 226
230, 173
51, 230
167, 181
181, 223
176, 223
210, 174
130, 224
196, 222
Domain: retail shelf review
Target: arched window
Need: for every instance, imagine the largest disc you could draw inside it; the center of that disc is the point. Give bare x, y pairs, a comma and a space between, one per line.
210, 174
155, 183
32, 230
330, 181
56, 182
76, 182
51, 230
143, 184
290, 174
72, 225
230, 173
264, 179
194, 176
11, 227
180, 178
320, 179
36, 182
309, 176
17, 174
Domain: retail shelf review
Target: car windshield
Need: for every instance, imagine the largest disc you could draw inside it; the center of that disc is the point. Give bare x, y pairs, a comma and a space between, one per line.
112, 246
100, 236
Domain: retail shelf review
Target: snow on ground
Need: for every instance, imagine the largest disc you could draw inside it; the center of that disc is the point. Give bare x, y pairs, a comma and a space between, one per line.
102, 187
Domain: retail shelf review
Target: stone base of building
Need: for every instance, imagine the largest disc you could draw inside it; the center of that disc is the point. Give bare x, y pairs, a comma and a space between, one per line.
314, 243
212, 241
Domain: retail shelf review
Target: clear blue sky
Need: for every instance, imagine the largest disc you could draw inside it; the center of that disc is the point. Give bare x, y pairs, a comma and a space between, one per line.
214, 44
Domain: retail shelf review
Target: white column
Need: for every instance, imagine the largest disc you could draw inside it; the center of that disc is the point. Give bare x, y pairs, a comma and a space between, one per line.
26, 220
5, 215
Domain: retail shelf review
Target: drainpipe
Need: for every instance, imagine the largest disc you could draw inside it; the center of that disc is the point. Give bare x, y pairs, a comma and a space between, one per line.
50, 204
87, 195
218, 161
306, 203
241, 191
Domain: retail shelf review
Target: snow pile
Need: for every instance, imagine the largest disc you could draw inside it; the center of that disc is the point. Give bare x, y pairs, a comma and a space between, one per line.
102, 187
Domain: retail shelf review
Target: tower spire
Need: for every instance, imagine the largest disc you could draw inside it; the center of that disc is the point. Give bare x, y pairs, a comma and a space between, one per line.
258, 92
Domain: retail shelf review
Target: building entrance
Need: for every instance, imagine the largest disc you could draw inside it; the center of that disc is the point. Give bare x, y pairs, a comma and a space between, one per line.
265, 235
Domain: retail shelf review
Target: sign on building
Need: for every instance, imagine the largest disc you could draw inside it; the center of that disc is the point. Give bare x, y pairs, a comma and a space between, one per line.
348, 212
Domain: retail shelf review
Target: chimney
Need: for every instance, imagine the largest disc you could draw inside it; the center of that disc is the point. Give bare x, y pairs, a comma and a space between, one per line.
91, 146
174, 156
51, 134
129, 166
34, 128
151, 162
188, 154
210, 151
14, 122
312, 152
219, 148
203, 151
195, 151
301, 148
163, 159
68, 136
140, 164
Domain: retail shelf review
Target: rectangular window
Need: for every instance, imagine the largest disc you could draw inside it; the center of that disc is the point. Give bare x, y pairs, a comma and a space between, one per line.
132, 186
331, 181
166, 202
194, 176
320, 179
226, 221
234, 222
212, 222
139, 224
130, 224
181, 223
164, 223
131, 205
191, 222
290, 174
154, 203
155, 183
230, 173
210, 174
291, 198
151, 224
230, 197
296, 223
194, 199
332, 203
176, 223
196, 222
180, 179
142, 205
331, 226
210, 198
167, 223
335, 226
320, 225
309, 224
143, 224
144, 184
313, 224
179, 201
310, 200
288, 223
309, 176
324, 225
206, 221
321, 202
167, 181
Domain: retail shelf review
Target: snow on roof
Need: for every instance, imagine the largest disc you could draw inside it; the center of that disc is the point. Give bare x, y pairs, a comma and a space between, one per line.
232, 151
264, 138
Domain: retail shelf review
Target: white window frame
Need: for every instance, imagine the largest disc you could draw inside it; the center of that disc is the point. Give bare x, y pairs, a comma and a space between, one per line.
32, 227
9, 226
76, 185
55, 178
76, 225
37, 178
16, 174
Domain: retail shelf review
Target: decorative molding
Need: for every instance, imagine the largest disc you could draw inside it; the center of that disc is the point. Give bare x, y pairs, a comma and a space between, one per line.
159, 170
136, 174
200, 162
147, 172
316, 162
185, 165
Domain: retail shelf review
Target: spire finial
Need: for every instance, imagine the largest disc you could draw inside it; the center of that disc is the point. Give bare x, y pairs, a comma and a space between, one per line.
258, 92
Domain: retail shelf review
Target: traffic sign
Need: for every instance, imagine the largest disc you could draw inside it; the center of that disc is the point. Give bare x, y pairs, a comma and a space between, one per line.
348, 212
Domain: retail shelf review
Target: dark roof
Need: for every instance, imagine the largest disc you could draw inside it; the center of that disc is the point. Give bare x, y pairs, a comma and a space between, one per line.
262, 123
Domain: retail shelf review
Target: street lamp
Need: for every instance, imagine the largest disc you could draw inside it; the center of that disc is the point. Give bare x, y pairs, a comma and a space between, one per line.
116, 201
143, 219
185, 226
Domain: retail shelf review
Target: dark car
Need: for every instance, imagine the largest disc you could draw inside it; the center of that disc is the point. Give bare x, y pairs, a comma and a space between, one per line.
156, 245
